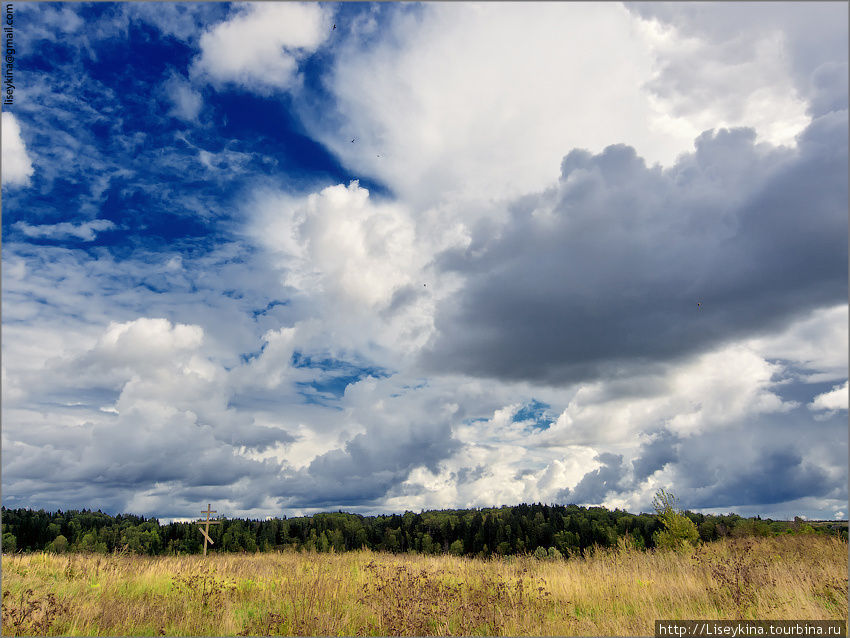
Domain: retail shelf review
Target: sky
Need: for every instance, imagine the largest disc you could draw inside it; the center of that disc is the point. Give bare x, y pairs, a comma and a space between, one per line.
288, 258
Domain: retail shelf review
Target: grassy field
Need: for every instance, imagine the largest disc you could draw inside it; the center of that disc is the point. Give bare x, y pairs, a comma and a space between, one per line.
613, 592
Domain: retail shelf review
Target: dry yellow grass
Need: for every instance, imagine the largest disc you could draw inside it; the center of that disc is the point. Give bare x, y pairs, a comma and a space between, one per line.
612, 592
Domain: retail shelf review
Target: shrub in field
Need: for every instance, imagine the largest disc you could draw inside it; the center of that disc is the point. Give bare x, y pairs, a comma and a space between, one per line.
406, 601
737, 577
203, 586
410, 601
30, 615
271, 624
58, 545
679, 531
9, 544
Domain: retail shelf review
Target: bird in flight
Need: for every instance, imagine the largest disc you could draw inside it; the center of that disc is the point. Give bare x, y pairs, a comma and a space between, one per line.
352, 139
334, 29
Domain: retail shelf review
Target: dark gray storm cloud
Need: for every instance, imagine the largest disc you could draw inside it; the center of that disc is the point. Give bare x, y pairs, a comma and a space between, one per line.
775, 477
254, 437
595, 485
766, 460
470, 474
655, 454
368, 466
607, 267
753, 465
107, 466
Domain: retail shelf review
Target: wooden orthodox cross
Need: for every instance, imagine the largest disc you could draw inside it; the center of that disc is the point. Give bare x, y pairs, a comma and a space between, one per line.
206, 524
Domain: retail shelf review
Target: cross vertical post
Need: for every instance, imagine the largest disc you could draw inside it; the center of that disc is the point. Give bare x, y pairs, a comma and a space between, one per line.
205, 530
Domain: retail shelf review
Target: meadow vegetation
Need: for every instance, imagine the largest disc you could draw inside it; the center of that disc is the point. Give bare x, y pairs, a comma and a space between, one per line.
618, 590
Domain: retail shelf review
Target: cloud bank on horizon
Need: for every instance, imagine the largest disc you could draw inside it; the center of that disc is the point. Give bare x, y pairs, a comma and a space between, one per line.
442, 255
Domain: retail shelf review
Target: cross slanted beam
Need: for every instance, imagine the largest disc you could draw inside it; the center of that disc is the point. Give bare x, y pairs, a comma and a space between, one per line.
206, 523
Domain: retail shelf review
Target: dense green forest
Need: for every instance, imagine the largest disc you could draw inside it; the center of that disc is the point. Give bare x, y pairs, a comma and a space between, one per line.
541, 530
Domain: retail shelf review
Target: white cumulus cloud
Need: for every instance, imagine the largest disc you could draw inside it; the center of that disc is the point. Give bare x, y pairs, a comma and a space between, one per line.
442, 108
260, 47
455, 111
835, 399
17, 166
362, 265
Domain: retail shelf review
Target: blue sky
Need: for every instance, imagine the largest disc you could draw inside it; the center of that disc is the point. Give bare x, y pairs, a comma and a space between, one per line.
441, 255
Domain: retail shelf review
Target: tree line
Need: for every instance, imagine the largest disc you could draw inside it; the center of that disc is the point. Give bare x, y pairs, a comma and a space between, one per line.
542, 530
